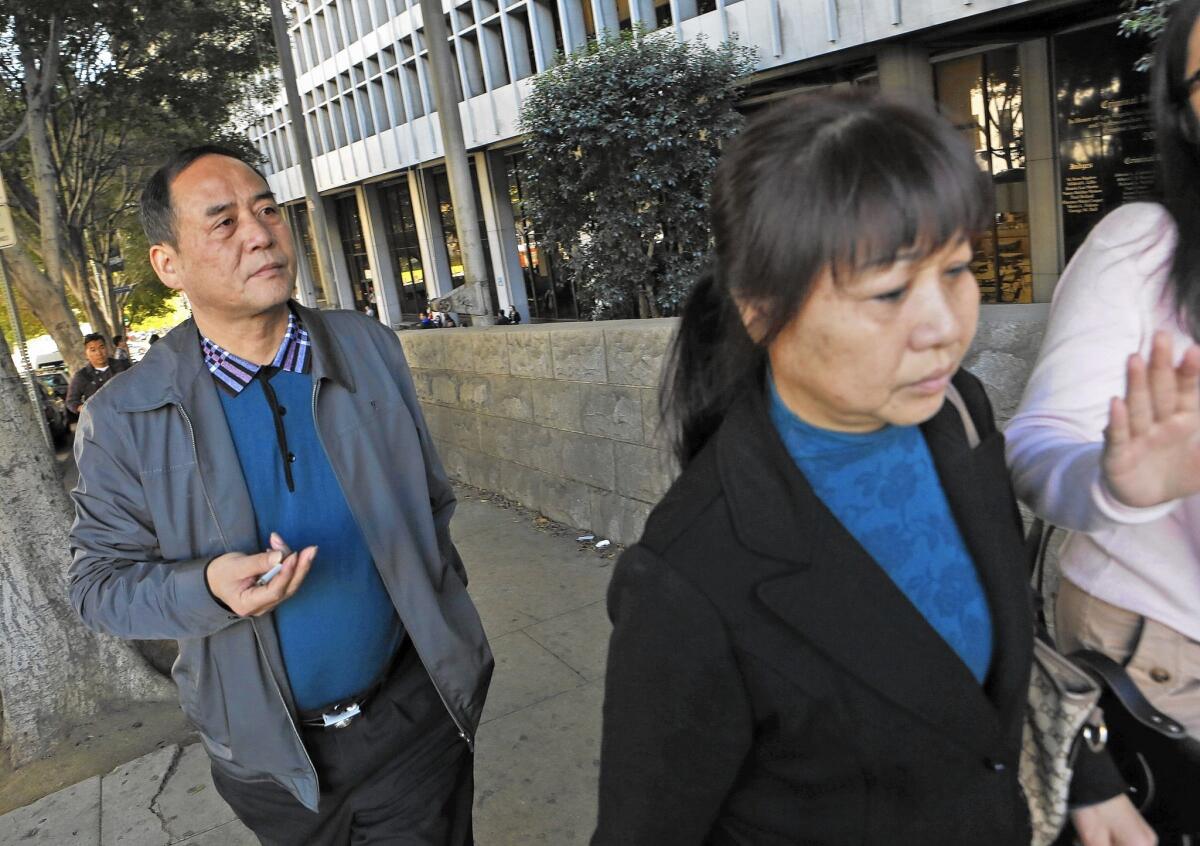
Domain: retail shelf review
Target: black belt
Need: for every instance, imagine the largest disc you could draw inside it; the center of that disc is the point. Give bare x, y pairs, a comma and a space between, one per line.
343, 712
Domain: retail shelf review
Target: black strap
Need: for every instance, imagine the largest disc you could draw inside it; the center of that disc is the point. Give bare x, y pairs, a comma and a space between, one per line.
1117, 680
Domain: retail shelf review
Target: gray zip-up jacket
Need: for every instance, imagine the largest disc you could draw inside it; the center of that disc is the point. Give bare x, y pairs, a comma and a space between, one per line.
161, 494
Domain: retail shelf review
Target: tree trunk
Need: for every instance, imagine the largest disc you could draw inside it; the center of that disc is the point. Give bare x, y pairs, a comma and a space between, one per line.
48, 301
54, 673
39, 90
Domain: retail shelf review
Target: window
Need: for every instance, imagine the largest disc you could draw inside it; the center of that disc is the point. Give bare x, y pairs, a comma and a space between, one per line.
981, 94
401, 228
354, 246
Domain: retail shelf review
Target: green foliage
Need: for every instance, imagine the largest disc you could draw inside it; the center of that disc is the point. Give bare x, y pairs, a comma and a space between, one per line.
623, 139
1144, 19
149, 298
31, 326
135, 83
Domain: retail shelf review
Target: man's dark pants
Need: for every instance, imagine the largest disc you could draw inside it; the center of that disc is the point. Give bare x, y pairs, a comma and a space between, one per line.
398, 774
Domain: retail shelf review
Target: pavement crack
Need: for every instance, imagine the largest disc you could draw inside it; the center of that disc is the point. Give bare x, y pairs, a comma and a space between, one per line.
162, 785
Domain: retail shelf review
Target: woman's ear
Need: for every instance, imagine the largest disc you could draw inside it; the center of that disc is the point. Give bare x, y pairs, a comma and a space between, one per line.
751, 313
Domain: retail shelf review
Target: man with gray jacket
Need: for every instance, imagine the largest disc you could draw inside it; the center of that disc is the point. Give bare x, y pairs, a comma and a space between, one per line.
262, 488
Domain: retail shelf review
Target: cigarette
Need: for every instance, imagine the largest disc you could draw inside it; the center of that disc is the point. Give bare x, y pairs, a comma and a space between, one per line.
266, 577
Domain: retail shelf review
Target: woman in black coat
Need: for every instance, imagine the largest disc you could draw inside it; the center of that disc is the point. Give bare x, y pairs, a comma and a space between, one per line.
824, 635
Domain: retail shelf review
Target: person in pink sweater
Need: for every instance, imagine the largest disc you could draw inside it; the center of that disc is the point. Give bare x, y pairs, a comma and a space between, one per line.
1106, 442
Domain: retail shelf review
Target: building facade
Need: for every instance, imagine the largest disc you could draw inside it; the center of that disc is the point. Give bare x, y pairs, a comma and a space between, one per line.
1044, 90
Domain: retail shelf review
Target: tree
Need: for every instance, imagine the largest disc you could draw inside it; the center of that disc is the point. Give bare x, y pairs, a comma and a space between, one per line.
623, 139
54, 673
106, 89
1145, 18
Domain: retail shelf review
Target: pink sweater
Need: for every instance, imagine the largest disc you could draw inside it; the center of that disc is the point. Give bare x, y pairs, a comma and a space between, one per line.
1108, 304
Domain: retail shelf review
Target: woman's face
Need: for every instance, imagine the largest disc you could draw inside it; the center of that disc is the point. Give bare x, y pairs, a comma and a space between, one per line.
878, 348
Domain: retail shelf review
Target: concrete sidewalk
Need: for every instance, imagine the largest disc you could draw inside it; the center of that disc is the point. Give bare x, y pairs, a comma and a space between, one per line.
541, 596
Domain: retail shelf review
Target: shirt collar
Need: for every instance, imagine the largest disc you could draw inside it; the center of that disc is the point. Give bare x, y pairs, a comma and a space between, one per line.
234, 373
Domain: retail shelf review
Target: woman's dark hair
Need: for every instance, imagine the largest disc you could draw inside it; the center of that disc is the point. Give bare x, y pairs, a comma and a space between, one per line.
1177, 136
840, 181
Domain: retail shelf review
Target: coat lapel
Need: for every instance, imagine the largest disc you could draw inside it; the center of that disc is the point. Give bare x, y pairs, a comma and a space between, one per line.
840, 600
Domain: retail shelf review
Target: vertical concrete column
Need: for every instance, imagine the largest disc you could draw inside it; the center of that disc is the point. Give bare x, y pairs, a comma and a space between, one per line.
383, 269
341, 271
905, 67
502, 232
1041, 167
429, 228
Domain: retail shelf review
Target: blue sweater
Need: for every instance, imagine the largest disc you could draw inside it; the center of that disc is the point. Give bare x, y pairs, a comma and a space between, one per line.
340, 629
883, 488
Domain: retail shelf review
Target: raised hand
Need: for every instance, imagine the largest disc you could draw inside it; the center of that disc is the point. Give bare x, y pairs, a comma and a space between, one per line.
1152, 443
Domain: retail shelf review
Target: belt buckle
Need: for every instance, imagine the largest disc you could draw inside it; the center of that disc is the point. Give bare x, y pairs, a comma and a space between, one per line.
343, 718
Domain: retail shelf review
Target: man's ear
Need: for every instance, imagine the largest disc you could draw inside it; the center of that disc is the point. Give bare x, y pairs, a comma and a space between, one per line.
165, 262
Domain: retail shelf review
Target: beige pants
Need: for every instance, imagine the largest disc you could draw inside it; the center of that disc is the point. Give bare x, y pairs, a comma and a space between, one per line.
1164, 664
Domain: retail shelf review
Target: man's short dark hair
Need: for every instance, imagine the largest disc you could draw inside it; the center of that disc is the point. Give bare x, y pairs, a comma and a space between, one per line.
94, 336
118, 339
158, 216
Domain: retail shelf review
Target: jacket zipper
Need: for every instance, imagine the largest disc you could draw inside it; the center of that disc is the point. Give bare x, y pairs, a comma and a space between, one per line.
462, 732
253, 623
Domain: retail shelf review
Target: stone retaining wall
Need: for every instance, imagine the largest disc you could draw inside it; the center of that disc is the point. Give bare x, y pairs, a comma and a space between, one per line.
563, 417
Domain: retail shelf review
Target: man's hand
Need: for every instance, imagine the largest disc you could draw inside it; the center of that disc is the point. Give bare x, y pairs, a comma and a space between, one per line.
232, 579
1114, 822
1152, 443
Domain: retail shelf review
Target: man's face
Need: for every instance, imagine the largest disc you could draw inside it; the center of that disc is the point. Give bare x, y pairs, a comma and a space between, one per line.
97, 353
233, 255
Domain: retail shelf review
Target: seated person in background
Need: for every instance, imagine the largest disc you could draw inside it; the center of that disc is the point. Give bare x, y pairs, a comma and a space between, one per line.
514, 316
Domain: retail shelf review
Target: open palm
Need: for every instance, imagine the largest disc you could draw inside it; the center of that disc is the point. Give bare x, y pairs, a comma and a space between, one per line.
1152, 443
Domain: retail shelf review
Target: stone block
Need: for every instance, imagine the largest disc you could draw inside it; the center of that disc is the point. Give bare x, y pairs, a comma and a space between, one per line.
579, 354
518, 482
617, 517
643, 473
459, 352
1004, 376
475, 393
70, 817
529, 354
454, 460
520, 442
189, 804
613, 411
482, 471
555, 747
421, 384
526, 673
490, 351
509, 397
461, 428
444, 387
126, 795
423, 350
578, 638
653, 432
435, 418
636, 355
588, 459
563, 500
558, 404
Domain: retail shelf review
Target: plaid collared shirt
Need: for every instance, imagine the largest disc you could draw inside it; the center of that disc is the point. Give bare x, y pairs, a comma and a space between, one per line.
234, 373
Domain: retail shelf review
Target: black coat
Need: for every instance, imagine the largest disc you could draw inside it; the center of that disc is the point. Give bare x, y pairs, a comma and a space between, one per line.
769, 684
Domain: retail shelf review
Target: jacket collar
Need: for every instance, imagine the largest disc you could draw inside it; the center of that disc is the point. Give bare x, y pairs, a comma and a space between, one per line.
169, 371
837, 598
